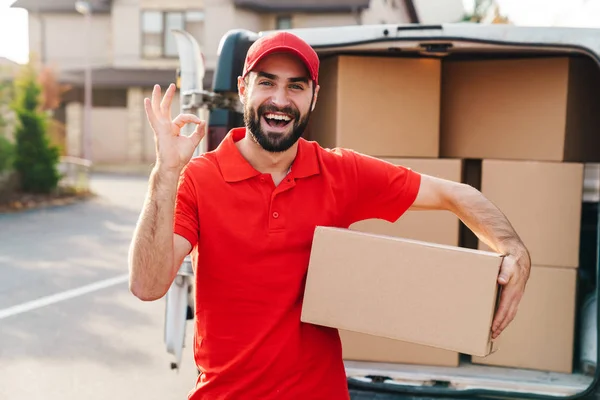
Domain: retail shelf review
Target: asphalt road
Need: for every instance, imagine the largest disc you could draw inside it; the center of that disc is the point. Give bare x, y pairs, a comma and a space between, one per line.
96, 343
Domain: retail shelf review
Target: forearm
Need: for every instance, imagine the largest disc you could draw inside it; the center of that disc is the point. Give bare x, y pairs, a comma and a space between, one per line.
151, 256
490, 225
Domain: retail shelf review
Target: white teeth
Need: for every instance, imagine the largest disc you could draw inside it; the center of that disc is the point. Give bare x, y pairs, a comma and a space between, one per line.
279, 117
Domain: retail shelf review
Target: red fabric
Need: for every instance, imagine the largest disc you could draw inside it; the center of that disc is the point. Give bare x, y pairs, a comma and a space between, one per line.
252, 244
282, 42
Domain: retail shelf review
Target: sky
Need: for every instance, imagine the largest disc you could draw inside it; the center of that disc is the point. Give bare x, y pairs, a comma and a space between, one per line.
577, 13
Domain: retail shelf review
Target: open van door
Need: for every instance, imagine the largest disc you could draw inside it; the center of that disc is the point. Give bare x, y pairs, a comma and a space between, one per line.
179, 299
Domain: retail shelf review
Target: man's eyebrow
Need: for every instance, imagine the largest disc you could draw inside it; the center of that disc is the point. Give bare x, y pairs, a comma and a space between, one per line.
299, 79
267, 75
274, 77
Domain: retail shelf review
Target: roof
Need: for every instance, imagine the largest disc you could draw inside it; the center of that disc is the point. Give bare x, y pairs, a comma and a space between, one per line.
6, 61
8, 68
61, 6
304, 5
126, 77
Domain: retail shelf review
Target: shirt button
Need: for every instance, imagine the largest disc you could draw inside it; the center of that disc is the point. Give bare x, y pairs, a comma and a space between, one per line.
262, 178
275, 214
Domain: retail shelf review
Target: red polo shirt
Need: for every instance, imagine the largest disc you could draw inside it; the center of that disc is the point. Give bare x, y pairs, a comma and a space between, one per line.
252, 244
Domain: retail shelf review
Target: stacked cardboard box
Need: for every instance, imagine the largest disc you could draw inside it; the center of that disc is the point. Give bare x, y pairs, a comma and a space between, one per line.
390, 108
532, 125
519, 130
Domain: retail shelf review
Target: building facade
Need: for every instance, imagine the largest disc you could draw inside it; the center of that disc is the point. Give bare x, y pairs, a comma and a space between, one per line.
128, 47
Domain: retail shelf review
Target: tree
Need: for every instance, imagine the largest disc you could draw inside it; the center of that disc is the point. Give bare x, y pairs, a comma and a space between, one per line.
5, 96
35, 159
486, 11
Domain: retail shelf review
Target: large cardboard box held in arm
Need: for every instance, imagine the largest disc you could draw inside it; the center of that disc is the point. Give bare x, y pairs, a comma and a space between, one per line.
416, 292
541, 335
435, 226
380, 106
543, 202
522, 109
439, 227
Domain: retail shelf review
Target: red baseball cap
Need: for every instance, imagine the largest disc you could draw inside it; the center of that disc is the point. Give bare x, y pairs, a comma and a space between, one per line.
283, 42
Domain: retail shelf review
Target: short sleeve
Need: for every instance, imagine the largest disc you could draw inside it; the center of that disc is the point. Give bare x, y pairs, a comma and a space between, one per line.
380, 189
186, 222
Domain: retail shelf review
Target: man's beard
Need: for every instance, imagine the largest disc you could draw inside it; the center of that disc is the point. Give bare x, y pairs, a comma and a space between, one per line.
275, 142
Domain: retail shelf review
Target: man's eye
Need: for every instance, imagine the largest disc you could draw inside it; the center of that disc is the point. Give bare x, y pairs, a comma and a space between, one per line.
297, 87
265, 83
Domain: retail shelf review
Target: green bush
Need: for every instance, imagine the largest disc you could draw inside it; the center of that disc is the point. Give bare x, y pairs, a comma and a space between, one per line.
35, 159
7, 154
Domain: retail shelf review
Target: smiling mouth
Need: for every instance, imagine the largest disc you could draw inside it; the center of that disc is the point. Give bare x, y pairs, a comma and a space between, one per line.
277, 120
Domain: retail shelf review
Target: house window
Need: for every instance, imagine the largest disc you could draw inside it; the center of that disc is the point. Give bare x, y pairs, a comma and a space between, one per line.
283, 22
157, 39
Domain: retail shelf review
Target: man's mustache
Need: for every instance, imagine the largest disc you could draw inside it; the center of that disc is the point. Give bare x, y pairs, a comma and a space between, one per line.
269, 108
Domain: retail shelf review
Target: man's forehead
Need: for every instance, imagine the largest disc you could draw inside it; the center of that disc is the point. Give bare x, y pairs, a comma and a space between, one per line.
282, 63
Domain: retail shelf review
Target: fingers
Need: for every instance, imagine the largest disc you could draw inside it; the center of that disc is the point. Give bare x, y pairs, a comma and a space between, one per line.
501, 311
510, 316
507, 309
183, 119
150, 113
156, 101
165, 104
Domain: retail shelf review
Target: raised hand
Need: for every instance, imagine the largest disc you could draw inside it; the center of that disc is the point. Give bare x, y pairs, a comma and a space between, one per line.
173, 151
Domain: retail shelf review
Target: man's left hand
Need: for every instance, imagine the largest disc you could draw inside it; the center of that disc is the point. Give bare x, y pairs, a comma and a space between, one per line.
513, 277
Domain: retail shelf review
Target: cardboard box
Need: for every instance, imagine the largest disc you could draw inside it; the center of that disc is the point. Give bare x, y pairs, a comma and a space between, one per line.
417, 292
523, 109
543, 201
380, 106
362, 347
440, 227
541, 335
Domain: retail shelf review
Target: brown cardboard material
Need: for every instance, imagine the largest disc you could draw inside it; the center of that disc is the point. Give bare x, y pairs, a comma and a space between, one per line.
542, 200
439, 227
523, 109
380, 106
542, 334
362, 347
417, 292
433, 226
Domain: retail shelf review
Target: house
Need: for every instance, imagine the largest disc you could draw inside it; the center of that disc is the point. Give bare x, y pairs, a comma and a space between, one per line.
128, 47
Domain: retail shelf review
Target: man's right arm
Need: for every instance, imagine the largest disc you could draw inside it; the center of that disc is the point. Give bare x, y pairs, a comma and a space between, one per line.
156, 252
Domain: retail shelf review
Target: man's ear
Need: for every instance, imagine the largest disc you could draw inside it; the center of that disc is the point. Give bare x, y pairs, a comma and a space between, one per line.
241, 88
315, 96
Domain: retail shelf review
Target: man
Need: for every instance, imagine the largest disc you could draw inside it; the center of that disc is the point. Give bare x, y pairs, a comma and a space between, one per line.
247, 212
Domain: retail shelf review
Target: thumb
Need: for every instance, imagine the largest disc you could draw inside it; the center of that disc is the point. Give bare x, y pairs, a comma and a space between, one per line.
505, 272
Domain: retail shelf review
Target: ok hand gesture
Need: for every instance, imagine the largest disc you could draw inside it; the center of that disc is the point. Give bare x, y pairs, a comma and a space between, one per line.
173, 151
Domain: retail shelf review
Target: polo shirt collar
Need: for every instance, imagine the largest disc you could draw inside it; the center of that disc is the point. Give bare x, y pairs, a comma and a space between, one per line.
235, 167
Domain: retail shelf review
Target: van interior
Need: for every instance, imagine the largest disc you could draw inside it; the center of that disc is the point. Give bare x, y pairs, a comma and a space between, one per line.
521, 123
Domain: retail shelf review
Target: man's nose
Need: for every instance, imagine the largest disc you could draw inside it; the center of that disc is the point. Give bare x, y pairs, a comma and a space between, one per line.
280, 97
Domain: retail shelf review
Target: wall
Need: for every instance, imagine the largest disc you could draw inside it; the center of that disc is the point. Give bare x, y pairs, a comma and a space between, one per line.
221, 17
126, 31
110, 141
320, 20
61, 39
